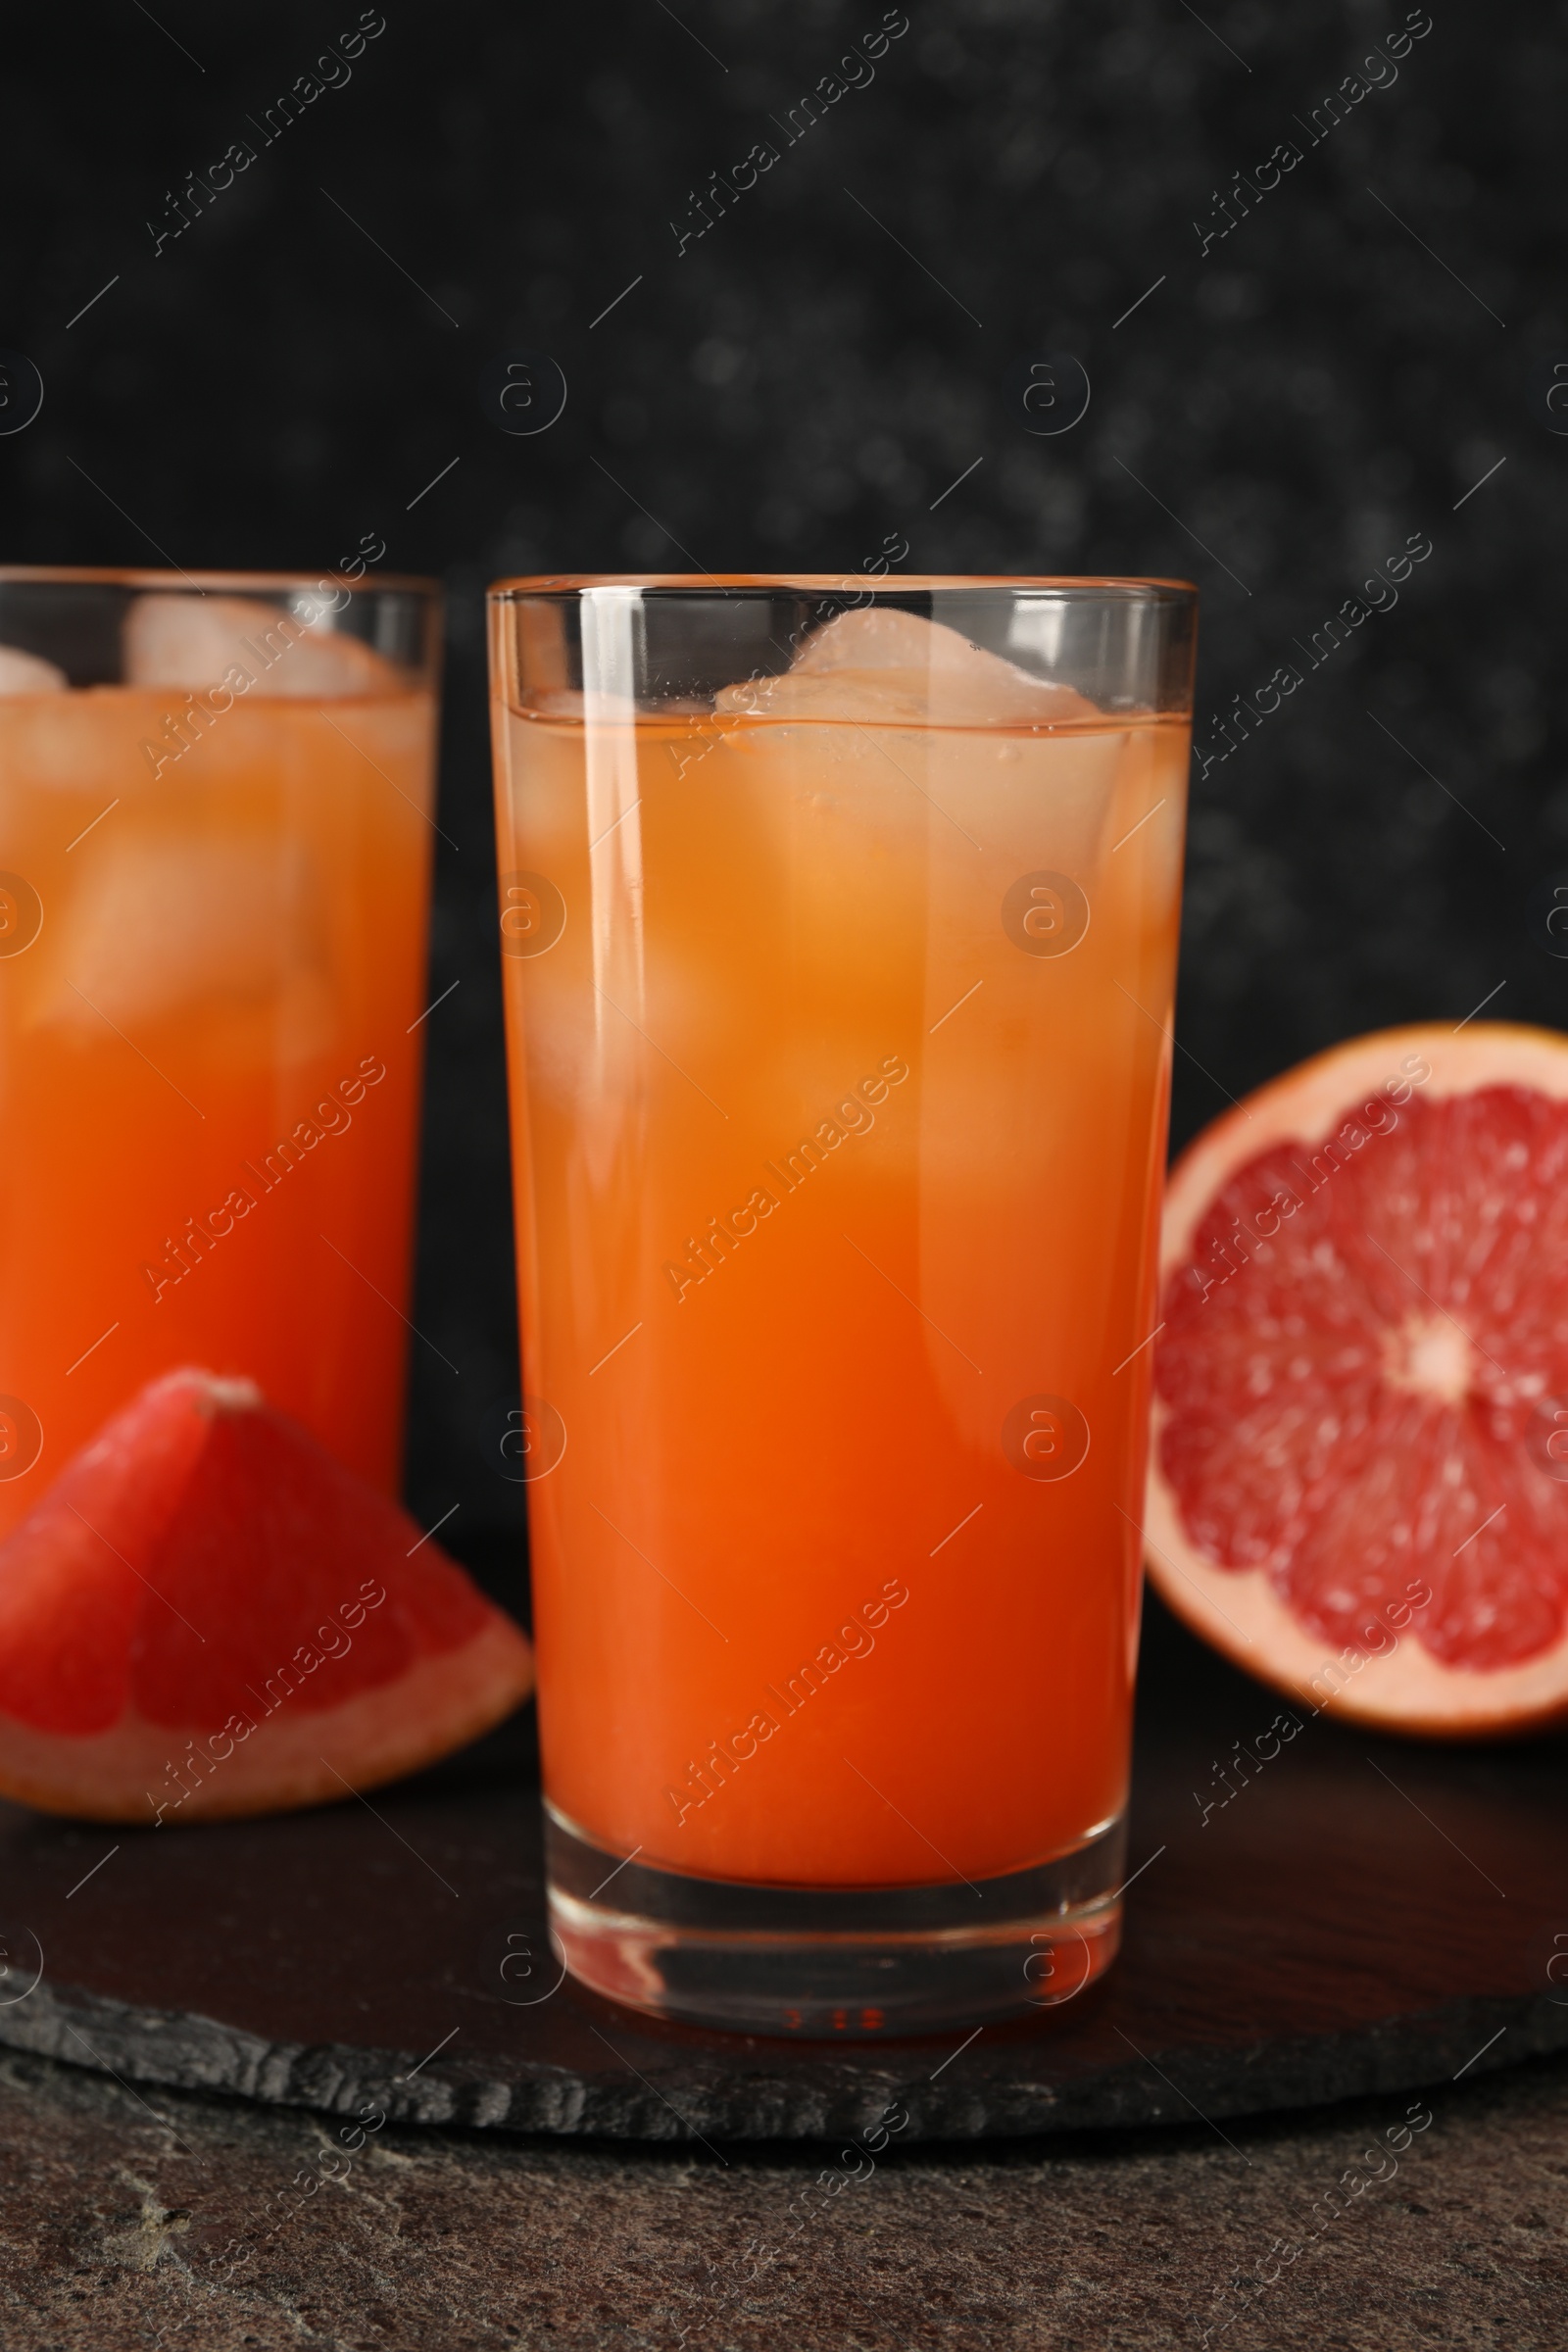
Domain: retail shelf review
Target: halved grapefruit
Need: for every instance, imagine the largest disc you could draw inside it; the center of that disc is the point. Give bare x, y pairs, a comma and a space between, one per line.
208, 1615
1359, 1481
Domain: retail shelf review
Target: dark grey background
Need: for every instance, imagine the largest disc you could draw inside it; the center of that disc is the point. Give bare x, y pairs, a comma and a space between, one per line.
806, 379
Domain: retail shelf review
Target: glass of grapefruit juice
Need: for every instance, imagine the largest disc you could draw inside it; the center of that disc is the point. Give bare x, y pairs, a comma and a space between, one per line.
216, 804
838, 928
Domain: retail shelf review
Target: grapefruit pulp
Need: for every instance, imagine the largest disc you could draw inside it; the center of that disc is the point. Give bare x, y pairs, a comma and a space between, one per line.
208, 1615
1358, 1479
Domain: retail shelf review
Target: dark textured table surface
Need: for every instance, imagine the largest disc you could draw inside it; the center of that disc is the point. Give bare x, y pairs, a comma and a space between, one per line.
132, 2215
120, 2221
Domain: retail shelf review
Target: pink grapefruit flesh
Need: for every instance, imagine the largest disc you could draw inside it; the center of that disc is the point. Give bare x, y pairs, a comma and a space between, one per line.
1358, 1479
207, 1615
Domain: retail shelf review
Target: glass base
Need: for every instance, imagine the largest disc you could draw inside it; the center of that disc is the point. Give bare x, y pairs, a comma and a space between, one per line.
834, 1962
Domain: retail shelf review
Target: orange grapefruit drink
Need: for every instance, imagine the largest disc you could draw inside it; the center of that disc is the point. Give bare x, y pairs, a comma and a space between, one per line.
839, 936
214, 847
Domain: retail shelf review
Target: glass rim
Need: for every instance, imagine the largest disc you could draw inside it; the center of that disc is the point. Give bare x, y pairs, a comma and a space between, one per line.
179, 583
1083, 588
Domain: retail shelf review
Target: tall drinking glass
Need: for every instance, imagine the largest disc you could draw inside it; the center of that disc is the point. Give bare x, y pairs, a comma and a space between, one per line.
838, 926
215, 852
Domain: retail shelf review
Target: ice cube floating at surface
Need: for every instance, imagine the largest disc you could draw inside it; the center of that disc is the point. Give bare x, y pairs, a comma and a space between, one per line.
28, 673
196, 641
896, 666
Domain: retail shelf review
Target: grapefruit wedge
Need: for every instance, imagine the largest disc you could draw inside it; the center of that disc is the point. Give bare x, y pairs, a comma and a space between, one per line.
207, 1615
1359, 1481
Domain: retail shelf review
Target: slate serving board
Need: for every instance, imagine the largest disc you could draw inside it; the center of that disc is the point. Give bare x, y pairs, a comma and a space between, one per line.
1360, 1916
